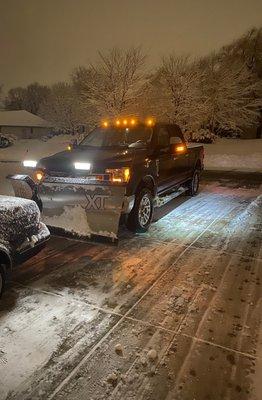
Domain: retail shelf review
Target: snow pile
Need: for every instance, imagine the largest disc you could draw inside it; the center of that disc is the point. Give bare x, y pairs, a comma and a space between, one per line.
234, 155
73, 219
119, 349
152, 355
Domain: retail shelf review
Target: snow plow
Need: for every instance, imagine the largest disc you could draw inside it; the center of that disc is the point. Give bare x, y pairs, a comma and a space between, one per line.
75, 207
120, 168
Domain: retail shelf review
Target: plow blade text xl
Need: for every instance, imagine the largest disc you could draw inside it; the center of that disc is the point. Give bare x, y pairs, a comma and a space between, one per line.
77, 206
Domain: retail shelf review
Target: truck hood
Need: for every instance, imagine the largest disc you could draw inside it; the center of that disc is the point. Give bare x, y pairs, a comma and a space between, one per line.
100, 159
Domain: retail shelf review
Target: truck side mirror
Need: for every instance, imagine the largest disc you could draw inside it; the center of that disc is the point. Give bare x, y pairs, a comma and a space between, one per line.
177, 146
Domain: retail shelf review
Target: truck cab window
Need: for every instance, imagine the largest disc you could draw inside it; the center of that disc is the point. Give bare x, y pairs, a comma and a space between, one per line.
175, 140
163, 140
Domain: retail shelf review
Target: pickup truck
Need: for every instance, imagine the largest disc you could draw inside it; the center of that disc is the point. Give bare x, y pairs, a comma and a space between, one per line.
150, 159
22, 234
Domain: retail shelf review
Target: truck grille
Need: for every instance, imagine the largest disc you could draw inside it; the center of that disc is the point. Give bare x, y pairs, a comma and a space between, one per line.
58, 173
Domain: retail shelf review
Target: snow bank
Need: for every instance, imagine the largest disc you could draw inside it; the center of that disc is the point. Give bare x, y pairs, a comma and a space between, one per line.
234, 155
34, 149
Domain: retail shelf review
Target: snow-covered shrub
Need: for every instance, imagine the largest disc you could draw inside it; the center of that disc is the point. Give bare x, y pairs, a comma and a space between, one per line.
201, 136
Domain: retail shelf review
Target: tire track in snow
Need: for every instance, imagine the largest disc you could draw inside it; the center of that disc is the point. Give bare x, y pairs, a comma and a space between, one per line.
85, 358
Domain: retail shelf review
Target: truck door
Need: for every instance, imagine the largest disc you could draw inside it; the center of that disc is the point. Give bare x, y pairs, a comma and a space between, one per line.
180, 160
164, 158
173, 166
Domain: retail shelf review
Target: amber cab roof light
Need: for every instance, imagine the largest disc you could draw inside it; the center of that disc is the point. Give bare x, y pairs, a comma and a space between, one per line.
129, 122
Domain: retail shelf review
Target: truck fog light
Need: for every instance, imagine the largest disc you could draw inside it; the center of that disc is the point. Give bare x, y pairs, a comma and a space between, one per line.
39, 176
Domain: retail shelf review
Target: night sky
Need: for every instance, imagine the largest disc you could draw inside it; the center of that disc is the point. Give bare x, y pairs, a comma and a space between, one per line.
42, 40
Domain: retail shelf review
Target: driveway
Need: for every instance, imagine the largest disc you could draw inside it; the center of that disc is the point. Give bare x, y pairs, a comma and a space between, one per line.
171, 314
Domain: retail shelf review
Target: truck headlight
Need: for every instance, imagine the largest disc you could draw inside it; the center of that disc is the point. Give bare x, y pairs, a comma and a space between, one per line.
120, 175
82, 165
29, 163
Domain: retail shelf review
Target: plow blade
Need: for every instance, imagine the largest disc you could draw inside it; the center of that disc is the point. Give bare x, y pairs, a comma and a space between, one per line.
77, 208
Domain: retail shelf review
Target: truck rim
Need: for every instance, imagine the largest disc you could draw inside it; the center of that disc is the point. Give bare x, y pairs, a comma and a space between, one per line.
144, 210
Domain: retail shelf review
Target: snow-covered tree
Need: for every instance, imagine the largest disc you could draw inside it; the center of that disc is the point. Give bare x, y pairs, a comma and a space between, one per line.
178, 97
233, 93
176, 94
63, 108
28, 98
248, 49
15, 99
114, 84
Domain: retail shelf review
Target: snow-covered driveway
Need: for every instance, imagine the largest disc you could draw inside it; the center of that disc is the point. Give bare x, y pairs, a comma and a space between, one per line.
172, 314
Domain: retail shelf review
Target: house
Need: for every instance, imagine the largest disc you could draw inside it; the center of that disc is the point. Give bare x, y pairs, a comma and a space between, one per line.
23, 124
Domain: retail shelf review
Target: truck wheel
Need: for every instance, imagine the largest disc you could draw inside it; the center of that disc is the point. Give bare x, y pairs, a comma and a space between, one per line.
2, 280
140, 217
193, 185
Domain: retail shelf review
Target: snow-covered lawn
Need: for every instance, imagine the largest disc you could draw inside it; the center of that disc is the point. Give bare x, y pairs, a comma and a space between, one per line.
34, 148
234, 155
224, 154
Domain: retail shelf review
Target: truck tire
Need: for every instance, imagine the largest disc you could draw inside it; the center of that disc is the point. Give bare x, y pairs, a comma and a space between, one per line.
141, 215
2, 280
193, 184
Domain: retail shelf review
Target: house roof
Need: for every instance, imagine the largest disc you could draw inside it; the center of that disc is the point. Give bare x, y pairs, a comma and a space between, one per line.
22, 118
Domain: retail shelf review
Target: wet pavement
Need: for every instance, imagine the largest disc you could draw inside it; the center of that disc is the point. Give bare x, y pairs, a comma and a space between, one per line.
171, 314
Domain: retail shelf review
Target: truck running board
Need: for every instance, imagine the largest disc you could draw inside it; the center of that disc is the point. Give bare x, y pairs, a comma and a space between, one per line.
161, 200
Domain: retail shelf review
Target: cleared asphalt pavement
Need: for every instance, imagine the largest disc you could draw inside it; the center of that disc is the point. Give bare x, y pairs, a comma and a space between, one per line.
171, 314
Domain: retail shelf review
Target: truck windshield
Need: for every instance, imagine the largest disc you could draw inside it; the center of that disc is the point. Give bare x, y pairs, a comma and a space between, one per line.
109, 137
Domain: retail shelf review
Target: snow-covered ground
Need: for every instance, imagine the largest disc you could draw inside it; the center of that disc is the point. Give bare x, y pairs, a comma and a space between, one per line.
171, 314
34, 148
234, 155
224, 154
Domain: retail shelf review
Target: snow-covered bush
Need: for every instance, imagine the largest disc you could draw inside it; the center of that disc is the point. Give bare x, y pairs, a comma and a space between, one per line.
201, 136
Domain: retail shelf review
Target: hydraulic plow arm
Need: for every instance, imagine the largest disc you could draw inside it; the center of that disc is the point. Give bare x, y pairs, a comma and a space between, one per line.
77, 207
